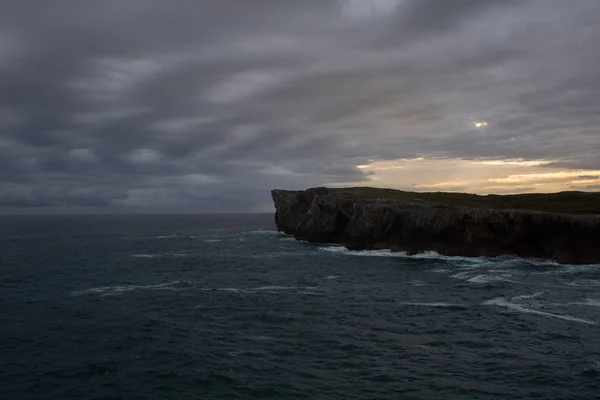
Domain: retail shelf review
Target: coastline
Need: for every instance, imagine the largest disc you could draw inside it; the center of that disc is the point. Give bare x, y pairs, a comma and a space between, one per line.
449, 224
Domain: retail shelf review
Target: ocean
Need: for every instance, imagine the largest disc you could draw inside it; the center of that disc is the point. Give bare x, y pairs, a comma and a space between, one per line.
225, 307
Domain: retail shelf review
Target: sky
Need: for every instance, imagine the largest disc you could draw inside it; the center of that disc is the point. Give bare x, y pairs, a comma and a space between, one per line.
207, 105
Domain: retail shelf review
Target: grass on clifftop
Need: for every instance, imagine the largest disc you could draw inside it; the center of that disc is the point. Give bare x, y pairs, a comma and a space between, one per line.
563, 202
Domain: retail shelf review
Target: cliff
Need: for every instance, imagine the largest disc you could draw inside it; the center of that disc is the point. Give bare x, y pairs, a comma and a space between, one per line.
561, 226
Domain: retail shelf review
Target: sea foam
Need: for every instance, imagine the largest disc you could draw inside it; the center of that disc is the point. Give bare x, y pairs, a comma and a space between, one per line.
432, 304
502, 302
428, 255
117, 289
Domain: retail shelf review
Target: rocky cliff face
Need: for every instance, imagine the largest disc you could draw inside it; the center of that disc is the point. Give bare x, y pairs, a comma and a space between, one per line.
323, 215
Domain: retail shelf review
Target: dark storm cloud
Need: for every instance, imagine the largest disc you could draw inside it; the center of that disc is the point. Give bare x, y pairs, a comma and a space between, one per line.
419, 19
209, 104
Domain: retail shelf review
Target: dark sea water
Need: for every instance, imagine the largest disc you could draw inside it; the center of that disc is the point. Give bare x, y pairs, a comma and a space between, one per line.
224, 307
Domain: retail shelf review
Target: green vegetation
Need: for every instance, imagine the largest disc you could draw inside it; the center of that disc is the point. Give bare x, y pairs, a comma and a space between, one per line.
563, 202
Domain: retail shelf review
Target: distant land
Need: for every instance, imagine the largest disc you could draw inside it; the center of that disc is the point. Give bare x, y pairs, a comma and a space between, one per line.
561, 226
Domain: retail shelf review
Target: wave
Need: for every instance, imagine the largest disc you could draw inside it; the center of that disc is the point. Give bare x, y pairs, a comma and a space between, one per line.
264, 289
587, 302
176, 236
474, 262
487, 278
260, 338
170, 254
584, 283
364, 253
233, 290
427, 255
502, 302
378, 253
113, 290
330, 277
433, 304
479, 278
265, 232
593, 369
284, 288
569, 269
433, 255
240, 352
527, 296
273, 254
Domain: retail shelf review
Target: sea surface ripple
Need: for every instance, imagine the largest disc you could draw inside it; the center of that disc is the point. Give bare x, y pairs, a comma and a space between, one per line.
225, 307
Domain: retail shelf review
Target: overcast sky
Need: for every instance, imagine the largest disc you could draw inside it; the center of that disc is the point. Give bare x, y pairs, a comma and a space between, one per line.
206, 105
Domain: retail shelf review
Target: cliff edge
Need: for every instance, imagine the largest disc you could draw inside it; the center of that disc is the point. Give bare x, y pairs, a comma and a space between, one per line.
562, 226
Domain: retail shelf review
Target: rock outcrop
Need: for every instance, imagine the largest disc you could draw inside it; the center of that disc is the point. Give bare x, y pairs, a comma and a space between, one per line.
335, 216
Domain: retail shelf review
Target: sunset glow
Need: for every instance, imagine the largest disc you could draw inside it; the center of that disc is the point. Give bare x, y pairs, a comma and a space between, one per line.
478, 176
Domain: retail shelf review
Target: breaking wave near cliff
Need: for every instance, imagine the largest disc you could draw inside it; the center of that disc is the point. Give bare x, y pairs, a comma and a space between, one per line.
188, 307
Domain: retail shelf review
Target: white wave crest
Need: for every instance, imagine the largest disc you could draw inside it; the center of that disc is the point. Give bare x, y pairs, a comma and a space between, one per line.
175, 236
170, 254
584, 283
432, 255
114, 290
587, 302
285, 288
502, 302
265, 289
471, 262
427, 255
264, 232
290, 239
233, 290
434, 304
487, 278
462, 275
527, 296
362, 253
566, 269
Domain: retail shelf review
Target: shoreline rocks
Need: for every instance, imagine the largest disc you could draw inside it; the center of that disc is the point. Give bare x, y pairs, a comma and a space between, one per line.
325, 215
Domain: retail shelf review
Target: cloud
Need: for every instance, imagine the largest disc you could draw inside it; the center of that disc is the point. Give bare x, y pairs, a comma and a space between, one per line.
179, 124
208, 105
366, 9
83, 155
589, 187
241, 86
145, 156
